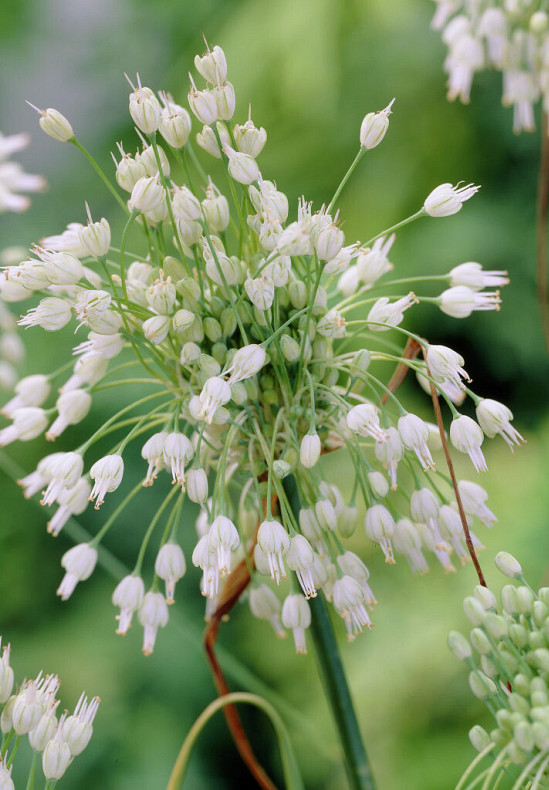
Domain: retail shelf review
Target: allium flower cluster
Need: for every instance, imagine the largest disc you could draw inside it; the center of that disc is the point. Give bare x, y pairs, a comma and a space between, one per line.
510, 36
508, 656
230, 324
31, 710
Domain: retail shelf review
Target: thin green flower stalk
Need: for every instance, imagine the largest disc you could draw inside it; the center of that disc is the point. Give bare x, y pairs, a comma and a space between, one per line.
30, 711
508, 657
241, 316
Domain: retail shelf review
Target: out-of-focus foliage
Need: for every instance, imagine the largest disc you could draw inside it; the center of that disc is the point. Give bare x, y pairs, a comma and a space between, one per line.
311, 69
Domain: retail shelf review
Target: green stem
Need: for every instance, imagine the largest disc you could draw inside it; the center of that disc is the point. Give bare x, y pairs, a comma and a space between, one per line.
331, 671
32, 772
292, 777
100, 173
346, 177
417, 215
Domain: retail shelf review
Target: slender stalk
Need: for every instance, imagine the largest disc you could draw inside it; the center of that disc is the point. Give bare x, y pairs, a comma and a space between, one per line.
333, 677
345, 178
541, 222
463, 517
32, 772
101, 174
417, 215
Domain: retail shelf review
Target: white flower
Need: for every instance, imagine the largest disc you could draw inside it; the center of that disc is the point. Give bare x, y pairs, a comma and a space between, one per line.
31, 391
379, 484
390, 452
51, 314
349, 602
212, 65
372, 263
28, 423
153, 452
466, 436
473, 498
79, 564
446, 199
274, 542
105, 346
170, 565
445, 365
77, 729
153, 614
332, 325
352, 565
300, 558
96, 238
242, 167
379, 526
508, 565
389, 313
225, 100
156, 328
407, 541
328, 242
72, 501
72, 407
145, 109
296, 614
473, 276
87, 370
494, 417
364, 420
107, 475
460, 301
215, 393
414, 434
177, 452
309, 450
175, 124
54, 124
247, 361
6, 675
374, 127
265, 606
128, 596
425, 509
197, 486
224, 539
147, 195
64, 471
249, 139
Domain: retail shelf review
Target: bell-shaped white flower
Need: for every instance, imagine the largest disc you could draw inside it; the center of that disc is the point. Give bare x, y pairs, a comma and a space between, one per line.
79, 564
170, 566
178, 451
460, 301
467, 436
414, 433
473, 498
300, 558
153, 614
224, 539
145, 109
28, 423
212, 65
107, 475
274, 542
364, 420
77, 729
153, 452
265, 606
128, 596
446, 365
389, 313
349, 603
374, 127
51, 314
197, 486
379, 525
473, 276
494, 417
72, 407
296, 614
407, 541
446, 199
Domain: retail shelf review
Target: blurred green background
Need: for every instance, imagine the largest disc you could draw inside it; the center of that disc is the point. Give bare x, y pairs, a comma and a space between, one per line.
311, 70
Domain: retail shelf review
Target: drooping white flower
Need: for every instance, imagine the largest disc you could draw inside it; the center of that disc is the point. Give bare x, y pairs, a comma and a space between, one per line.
494, 417
300, 558
296, 614
224, 539
364, 420
31, 391
153, 614
28, 423
379, 526
107, 475
274, 542
128, 596
177, 452
265, 606
467, 436
473, 498
349, 602
170, 566
72, 501
414, 433
446, 365
79, 564
72, 407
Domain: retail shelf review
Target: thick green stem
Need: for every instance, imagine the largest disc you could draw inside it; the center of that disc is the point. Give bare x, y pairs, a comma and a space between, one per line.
333, 677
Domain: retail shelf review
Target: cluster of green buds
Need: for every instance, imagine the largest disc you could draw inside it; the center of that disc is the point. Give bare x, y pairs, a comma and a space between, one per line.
31, 711
511, 675
263, 339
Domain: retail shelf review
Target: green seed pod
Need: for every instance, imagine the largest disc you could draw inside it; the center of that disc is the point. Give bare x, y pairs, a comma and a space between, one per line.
489, 668
188, 288
228, 322
209, 366
459, 646
541, 736
519, 635
291, 456
480, 641
310, 326
539, 613
486, 597
195, 333
266, 381
252, 388
518, 703
239, 394
281, 469
173, 268
541, 715
212, 329
521, 684
190, 353
290, 348
260, 317
361, 362
479, 738
297, 291
283, 297
322, 348
219, 352
270, 397
217, 305
525, 600
182, 320
536, 639
495, 625
330, 377
474, 611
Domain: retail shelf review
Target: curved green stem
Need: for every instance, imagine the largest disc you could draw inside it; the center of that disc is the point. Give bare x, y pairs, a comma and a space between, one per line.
292, 777
333, 677
100, 173
345, 178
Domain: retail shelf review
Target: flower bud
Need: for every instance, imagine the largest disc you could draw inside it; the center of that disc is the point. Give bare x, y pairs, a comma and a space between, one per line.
479, 738
197, 486
446, 199
55, 758
459, 646
54, 124
249, 139
225, 100
508, 565
481, 685
242, 168
212, 66
309, 451
175, 125
156, 328
170, 566
203, 105
96, 238
79, 564
145, 110
374, 126
147, 195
